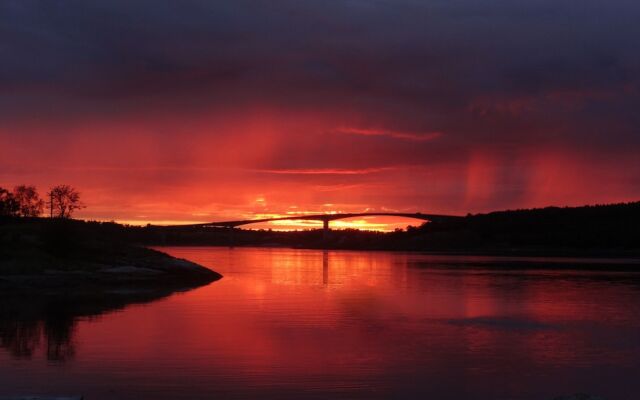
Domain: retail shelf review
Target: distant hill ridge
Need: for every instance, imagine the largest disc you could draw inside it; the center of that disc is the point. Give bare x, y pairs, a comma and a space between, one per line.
594, 230
612, 227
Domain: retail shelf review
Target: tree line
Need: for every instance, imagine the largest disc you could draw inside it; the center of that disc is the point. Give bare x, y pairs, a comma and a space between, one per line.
24, 201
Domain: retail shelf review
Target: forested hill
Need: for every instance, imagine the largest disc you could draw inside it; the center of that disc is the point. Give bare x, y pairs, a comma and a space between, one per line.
602, 227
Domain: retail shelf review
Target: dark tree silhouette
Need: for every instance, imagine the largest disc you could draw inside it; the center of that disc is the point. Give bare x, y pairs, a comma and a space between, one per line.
63, 201
29, 202
8, 204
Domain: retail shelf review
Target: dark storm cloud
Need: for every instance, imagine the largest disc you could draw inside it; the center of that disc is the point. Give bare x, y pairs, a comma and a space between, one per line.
494, 71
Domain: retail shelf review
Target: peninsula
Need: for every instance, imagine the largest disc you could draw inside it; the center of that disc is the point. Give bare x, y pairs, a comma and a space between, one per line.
51, 254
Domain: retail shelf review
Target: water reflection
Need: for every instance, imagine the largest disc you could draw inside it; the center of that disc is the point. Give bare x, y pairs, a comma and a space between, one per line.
329, 324
325, 267
47, 322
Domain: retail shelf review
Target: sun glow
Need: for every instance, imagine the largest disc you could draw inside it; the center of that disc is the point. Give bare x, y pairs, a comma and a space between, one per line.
373, 223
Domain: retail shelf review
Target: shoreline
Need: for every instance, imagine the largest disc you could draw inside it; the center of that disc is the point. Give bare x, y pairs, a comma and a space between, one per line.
67, 255
156, 271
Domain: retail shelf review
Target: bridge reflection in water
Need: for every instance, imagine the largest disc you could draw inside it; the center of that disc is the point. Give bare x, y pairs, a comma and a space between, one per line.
325, 268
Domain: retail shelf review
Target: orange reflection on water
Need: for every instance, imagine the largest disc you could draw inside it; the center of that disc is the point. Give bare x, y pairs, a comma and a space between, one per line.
285, 322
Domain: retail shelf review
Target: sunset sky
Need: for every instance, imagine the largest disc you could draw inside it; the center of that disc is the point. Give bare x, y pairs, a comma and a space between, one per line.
194, 111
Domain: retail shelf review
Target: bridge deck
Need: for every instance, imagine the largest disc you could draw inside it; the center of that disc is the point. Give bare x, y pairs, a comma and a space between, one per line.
324, 218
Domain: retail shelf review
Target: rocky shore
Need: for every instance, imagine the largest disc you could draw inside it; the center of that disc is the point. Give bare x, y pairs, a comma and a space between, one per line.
155, 270
72, 255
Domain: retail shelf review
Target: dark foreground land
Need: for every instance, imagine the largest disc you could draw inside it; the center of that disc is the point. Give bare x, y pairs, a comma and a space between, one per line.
57, 255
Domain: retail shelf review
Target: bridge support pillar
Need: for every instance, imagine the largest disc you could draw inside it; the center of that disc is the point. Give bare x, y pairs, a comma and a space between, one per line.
325, 229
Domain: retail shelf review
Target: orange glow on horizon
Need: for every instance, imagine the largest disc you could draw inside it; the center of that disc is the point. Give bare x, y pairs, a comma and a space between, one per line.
373, 223
126, 171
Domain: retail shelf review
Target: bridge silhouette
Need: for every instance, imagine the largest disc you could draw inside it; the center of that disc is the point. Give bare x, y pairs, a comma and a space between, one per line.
325, 218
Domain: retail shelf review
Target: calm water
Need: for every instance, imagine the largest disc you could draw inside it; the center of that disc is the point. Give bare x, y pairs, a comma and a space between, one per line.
301, 323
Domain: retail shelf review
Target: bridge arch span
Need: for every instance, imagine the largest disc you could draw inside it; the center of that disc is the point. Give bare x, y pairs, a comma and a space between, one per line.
326, 218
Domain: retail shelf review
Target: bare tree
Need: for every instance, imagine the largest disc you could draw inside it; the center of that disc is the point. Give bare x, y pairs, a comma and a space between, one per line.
8, 204
63, 201
29, 202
